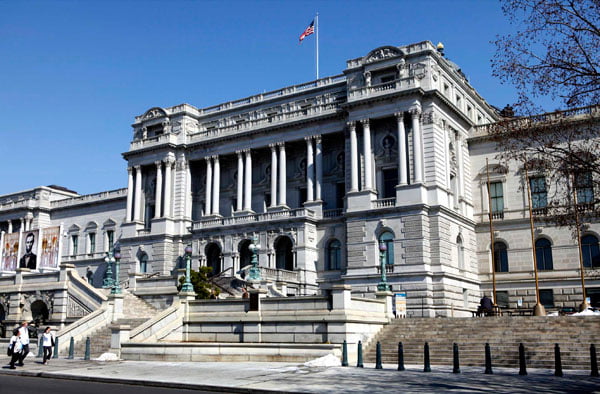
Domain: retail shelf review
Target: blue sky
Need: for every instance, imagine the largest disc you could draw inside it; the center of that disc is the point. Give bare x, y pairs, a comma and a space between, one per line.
73, 74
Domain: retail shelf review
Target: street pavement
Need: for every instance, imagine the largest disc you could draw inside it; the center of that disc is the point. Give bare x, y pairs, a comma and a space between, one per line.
246, 377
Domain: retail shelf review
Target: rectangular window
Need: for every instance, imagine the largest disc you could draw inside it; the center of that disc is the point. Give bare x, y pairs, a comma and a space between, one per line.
584, 187
390, 180
340, 193
539, 194
301, 196
547, 298
497, 196
110, 235
502, 300
92, 239
74, 244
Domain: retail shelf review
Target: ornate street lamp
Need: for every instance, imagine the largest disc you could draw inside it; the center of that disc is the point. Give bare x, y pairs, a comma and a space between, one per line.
187, 285
116, 289
254, 271
382, 285
108, 281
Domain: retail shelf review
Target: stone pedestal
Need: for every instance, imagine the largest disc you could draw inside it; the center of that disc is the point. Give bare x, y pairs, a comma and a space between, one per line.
411, 194
387, 297
315, 206
360, 201
133, 276
117, 302
341, 296
119, 333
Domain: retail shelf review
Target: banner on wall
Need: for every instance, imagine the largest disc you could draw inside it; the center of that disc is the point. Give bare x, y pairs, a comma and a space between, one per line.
50, 248
28, 255
10, 251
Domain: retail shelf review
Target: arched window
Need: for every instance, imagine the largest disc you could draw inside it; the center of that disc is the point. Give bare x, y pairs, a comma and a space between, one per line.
387, 238
500, 257
245, 255
284, 258
213, 258
543, 254
461, 252
144, 263
334, 255
590, 251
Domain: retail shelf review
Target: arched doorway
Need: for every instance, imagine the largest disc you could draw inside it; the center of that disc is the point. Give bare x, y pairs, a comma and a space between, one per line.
284, 258
213, 258
245, 254
39, 311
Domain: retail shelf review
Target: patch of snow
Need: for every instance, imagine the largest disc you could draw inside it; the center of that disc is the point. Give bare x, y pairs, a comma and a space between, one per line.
555, 313
326, 361
107, 357
587, 312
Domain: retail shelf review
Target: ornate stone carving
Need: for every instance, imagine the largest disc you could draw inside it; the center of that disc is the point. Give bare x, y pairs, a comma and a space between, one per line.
429, 117
382, 53
76, 308
154, 113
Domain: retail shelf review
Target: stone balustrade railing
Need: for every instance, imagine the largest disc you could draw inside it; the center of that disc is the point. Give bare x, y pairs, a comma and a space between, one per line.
258, 217
383, 88
278, 275
385, 202
89, 198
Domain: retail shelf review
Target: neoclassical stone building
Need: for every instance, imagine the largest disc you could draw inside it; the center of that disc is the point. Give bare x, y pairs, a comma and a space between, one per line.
318, 175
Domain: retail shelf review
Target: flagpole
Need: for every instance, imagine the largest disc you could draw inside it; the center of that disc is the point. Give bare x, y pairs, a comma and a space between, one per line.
317, 41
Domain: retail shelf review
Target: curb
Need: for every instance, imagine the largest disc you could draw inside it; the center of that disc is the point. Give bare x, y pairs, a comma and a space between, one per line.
146, 383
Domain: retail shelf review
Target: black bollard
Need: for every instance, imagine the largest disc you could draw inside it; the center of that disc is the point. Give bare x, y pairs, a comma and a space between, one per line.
400, 357
522, 366
557, 362
344, 354
455, 360
593, 361
71, 349
88, 350
40, 348
427, 365
359, 362
378, 364
488, 360
55, 355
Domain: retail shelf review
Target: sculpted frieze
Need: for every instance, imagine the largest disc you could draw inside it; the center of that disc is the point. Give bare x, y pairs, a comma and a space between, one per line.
382, 53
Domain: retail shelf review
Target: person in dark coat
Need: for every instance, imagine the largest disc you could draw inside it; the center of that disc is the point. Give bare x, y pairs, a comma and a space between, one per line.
486, 305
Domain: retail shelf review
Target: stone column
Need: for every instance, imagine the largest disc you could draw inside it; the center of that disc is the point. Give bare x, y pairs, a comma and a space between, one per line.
417, 145
10, 227
216, 185
353, 157
138, 194
22, 228
188, 189
207, 198
402, 178
273, 175
309, 170
248, 181
240, 181
368, 155
157, 210
318, 167
129, 195
168, 187
282, 175
459, 159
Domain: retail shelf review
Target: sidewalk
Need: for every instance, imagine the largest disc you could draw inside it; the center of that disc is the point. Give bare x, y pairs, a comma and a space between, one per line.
290, 377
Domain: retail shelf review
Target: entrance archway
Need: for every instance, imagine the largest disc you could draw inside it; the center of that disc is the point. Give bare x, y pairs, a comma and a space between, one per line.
213, 258
39, 311
244, 251
284, 258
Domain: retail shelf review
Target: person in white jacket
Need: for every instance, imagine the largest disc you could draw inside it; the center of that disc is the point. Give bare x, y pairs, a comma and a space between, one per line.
47, 343
24, 330
17, 347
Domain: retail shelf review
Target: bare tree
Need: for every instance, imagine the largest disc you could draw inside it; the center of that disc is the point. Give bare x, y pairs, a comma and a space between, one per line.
555, 51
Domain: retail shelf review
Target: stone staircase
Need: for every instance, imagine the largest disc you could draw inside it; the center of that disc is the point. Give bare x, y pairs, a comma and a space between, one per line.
574, 334
135, 310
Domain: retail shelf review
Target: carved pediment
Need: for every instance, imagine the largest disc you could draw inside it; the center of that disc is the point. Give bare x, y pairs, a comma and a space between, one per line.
153, 113
383, 53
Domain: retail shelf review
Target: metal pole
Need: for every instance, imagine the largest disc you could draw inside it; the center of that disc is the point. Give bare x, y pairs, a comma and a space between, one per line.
487, 167
317, 41
584, 304
539, 309
187, 285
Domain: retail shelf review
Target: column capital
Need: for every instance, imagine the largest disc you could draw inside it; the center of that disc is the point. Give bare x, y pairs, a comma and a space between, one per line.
399, 115
129, 170
239, 152
168, 161
308, 139
281, 145
365, 122
208, 158
273, 146
138, 167
351, 125
215, 157
415, 111
247, 151
158, 163
318, 138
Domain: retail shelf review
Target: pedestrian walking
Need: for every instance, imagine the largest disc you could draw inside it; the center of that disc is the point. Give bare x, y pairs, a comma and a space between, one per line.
15, 348
24, 336
47, 343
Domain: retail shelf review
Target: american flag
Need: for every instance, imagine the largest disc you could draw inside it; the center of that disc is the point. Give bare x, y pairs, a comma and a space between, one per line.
308, 31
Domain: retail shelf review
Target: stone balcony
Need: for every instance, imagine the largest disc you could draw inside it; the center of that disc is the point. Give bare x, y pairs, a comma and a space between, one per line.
287, 214
383, 89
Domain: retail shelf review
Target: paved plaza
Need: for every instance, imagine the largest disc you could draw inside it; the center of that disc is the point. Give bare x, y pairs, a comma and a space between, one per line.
290, 377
